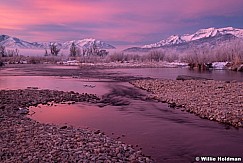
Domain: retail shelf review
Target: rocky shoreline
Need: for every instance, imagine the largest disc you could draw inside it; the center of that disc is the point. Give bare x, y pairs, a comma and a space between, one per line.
25, 140
214, 100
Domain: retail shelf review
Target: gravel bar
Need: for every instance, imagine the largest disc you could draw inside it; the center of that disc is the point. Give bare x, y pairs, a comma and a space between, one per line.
219, 101
25, 140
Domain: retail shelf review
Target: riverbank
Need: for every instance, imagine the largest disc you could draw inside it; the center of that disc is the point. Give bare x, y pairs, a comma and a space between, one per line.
25, 140
161, 64
214, 100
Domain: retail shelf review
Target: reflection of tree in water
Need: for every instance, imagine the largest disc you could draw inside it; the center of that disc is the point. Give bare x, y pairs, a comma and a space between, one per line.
121, 95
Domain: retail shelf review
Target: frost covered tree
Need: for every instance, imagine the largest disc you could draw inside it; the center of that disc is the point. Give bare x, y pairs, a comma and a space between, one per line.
46, 53
2, 51
198, 57
54, 49
156, 55
17, 52
73, 50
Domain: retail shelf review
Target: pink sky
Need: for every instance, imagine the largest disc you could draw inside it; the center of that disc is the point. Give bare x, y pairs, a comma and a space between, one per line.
124, 22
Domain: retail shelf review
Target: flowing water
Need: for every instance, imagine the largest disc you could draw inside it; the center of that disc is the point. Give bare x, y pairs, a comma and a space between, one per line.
166, 134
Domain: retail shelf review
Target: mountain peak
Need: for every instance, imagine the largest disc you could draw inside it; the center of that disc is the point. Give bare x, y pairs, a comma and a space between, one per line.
200, 34
86, 43
89, 39
3, 37
228, 28
204, 33
211, 29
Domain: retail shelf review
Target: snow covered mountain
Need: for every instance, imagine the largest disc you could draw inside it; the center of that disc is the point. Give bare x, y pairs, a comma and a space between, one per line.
199, 35
86, 43
13, 42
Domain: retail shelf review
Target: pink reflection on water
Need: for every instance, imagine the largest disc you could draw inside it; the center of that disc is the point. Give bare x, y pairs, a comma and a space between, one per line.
162, 133
79, 115
107, 118
52, 82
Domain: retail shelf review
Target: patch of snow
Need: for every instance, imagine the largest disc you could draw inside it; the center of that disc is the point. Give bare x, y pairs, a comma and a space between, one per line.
175, 64
72, 63
219, 65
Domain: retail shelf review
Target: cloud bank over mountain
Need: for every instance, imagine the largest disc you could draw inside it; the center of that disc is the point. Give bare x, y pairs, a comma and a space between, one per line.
120, 23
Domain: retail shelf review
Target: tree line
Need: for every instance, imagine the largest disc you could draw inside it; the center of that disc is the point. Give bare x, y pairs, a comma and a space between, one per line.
231, 51
75, 51
8, 52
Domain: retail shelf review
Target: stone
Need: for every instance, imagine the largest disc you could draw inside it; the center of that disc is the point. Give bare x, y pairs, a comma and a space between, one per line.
63, 127
23, 111
240, 68
172, 105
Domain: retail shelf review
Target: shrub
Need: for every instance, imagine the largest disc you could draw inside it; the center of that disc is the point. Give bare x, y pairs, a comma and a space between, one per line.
156, 55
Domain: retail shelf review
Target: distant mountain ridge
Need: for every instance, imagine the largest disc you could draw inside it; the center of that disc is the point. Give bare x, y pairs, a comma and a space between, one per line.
85, 43
13, 42
200, 34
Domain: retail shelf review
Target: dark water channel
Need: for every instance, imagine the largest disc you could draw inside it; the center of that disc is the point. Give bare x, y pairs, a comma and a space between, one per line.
172, 73
166, 134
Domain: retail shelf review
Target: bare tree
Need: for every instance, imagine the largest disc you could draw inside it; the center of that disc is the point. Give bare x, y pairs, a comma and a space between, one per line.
102, 53
54, 49
46, 53
171, 56
73, 50
10, 52
94, 49
199, 57
17, 52
78, 52
118, 56
2, 51
157, 55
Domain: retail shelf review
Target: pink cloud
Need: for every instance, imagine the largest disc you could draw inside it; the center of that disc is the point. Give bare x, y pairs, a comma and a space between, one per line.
113, 20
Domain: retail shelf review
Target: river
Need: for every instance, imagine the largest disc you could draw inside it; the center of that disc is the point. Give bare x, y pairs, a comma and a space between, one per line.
166, 134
